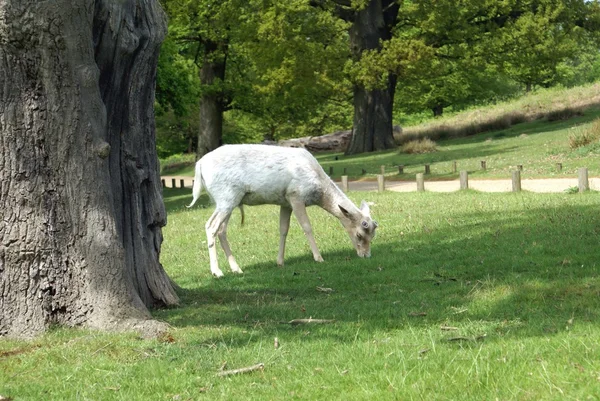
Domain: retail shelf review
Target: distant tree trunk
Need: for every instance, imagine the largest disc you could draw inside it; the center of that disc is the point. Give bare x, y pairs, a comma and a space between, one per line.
81, 209
270, 136
373, 108
438, 110
212, 106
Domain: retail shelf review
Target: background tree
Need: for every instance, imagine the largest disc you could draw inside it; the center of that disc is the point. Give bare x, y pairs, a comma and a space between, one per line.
281, 68
80, 197
533, 46
292, 74
371, 23
207, 29
445, 54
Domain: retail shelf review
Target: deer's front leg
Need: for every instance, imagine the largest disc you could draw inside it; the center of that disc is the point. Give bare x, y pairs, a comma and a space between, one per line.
300, 213
284, 225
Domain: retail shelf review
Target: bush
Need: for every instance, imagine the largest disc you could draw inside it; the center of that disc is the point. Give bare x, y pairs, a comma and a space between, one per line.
419, 146
584, 136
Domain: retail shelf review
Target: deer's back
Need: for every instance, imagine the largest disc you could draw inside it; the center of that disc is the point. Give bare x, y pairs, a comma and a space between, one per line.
262, 174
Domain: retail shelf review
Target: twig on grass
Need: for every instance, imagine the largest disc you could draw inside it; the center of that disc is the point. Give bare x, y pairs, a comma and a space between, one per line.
474, 339
296, 322
259, 366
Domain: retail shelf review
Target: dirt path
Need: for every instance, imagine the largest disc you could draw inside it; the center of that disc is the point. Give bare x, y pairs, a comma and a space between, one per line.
542, 185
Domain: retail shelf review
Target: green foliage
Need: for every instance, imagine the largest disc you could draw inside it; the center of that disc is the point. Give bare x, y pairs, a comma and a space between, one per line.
176, 134
294, 71
177, 96
173, 163
176, 81
535, 44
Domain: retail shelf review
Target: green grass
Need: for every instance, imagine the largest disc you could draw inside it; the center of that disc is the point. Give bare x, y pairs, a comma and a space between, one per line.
516, 275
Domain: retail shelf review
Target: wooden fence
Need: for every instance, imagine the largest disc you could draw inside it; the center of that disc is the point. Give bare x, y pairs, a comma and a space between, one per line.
583, 178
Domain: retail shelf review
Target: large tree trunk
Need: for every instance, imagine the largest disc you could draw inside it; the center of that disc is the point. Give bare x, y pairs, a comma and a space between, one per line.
212, 74
80, 200
373, 108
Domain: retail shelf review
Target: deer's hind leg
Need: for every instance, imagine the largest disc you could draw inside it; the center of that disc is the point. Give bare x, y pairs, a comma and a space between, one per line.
222, 234
213, 226
284, 226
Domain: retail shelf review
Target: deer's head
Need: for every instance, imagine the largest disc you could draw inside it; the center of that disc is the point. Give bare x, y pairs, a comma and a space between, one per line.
360, 227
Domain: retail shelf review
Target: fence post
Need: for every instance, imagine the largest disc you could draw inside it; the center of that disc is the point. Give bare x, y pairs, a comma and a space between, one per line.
559, 167
420, 182
380, 183
454, 167
583, 183
164, 184
330, 171
345, 183
182, 183
364, 171
400, 169
464, 179
173, 183
483, 164
427, 169
345, 171
516, 181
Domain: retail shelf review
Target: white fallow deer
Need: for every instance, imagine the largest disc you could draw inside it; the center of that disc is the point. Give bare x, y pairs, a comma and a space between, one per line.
237, 175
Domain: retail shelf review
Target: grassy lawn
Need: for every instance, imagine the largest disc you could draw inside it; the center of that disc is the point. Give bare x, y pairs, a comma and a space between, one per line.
468, 296
537, 146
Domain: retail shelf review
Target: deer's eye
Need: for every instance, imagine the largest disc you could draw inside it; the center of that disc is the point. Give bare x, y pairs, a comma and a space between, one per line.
365, 224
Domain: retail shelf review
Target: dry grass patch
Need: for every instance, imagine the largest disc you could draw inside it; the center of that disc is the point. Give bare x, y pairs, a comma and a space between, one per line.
584, 136
419, 146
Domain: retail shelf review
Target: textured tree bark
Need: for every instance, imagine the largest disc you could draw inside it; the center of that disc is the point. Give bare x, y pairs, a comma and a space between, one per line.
210, 134
373, 108
80, 200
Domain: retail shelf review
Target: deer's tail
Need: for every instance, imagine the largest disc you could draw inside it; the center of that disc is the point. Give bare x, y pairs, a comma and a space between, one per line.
197, 188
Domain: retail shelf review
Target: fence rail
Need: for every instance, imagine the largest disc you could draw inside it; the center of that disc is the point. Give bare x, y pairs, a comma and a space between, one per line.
582, 183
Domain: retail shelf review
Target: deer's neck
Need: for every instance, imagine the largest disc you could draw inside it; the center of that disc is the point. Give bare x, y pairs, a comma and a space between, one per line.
333, 198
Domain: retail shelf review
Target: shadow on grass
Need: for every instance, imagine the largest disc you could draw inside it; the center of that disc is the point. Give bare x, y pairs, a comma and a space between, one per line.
526, 273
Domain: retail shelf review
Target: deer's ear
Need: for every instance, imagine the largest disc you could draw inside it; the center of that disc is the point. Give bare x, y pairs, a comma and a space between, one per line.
364, 207
345, 212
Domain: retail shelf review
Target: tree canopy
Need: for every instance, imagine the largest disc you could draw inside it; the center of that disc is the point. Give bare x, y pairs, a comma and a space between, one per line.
294, 68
